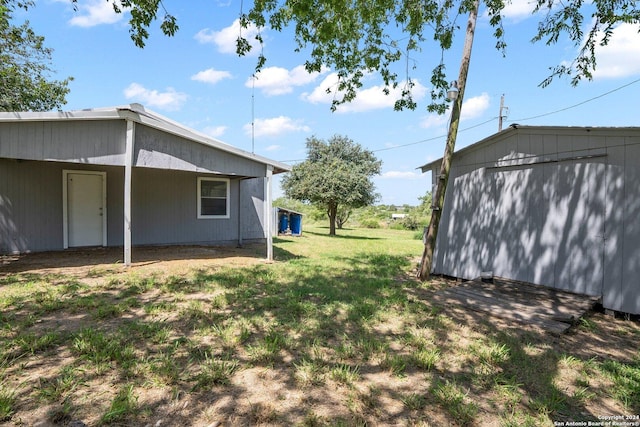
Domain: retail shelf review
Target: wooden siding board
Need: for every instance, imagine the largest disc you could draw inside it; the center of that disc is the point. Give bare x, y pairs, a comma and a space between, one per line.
543, 271
614, 227
523, 145
115, 206
549, 144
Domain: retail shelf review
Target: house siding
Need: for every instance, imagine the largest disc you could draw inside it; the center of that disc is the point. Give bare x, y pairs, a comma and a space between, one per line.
157, 149
559, 208
31, 212
166, 161
163, 211
252, 208
89, 142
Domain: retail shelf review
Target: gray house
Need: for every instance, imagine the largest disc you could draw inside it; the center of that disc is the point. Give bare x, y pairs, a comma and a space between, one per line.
554, 206
126, 176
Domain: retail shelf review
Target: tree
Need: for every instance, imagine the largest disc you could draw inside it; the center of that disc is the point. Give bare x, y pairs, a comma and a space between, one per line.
355, 37
25, 66
335, 177
342, 216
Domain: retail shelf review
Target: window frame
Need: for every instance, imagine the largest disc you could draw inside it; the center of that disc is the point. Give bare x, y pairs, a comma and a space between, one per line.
227, 182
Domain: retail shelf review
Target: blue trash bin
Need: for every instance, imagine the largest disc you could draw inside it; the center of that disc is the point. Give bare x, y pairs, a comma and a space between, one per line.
296, 224
283, 224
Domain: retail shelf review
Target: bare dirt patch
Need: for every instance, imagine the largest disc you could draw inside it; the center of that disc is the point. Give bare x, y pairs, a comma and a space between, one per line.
159, 260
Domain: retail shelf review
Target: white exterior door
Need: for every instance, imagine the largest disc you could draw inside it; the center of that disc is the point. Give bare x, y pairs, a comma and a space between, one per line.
85, 211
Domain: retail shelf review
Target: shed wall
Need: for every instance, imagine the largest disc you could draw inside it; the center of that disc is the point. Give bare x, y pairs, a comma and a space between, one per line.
560, 210
88, 141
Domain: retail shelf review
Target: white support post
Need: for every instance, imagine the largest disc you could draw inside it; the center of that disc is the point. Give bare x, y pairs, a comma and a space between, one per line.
128, 169
240, 213
268, 217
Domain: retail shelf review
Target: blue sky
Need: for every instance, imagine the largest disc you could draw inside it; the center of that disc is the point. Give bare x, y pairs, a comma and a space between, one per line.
197, 79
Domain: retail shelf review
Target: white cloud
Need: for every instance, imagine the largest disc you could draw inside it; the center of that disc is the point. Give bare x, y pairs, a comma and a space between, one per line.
474, 107
276, 126
471, 108
95, 12
621, 57
401, 175
225, 39
518, 10
215, 131
279, 81
372, 98
211, 76
434, 120
319, 95
170, 100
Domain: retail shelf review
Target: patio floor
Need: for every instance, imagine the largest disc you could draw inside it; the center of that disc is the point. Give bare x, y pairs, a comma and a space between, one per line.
164, 260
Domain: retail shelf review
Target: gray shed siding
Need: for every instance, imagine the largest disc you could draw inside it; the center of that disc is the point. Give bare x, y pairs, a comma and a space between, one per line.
31, 218
252, 208
89, 141
154, 148
559, 208
163, 211
103, 142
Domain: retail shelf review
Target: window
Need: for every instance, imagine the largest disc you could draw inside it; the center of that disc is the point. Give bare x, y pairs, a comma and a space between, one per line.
213, 198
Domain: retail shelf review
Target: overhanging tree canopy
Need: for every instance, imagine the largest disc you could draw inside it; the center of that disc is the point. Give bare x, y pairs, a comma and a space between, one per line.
337, 174
354, 37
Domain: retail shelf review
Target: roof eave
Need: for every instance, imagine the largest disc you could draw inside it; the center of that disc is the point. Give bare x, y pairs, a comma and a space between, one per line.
137, 113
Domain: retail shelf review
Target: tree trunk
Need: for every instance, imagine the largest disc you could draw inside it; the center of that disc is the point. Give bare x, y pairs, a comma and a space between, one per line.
332, 211
445, 167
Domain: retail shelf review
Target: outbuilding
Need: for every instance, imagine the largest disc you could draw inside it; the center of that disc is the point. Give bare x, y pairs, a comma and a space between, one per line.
126, 176
553, 206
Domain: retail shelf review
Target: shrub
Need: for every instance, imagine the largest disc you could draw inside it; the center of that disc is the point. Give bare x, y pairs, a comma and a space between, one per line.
369, 223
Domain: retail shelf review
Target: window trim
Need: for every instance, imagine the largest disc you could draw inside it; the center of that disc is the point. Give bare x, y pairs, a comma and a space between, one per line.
227, 181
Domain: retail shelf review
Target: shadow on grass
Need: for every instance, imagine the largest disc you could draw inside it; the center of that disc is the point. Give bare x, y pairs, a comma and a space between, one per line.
275, 344
538, 377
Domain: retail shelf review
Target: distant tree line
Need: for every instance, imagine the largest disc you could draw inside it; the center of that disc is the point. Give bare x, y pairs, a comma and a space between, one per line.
416, 217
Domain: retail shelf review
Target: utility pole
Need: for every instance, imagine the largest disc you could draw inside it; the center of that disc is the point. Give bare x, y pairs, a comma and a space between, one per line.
445, 167
500, 114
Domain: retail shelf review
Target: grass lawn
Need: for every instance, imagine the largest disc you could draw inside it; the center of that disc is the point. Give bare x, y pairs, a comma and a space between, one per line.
335, 332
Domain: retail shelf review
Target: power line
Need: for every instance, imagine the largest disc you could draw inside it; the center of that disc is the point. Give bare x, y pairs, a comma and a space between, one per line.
422, 141
435, 137
578, 104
